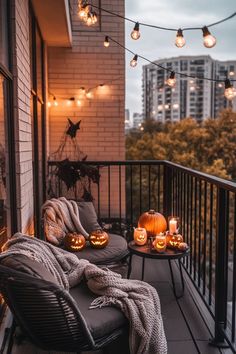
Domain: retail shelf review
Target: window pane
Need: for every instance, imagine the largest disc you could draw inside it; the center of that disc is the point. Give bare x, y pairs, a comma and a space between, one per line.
3, 33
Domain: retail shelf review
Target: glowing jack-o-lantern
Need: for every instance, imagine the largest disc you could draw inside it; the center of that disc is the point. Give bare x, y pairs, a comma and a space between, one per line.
74, 242
153, 222
98, 239
140, 236
159, 243
173, 241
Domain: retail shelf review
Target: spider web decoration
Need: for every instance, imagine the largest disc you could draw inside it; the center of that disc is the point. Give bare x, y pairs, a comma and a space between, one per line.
70, 169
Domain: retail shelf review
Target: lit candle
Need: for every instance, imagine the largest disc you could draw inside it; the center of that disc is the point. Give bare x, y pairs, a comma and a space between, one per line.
140, 236
173, 226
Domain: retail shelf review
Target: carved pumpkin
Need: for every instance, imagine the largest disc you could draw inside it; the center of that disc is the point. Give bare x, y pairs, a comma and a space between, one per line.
140, 236
160, 243
98, 239
173, 241
74, 242
153, 222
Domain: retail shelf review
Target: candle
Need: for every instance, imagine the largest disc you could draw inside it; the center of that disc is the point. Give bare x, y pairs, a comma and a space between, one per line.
140, 236
173, 226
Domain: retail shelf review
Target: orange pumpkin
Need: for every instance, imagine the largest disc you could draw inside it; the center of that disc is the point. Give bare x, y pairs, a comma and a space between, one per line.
153, 222
98, 239
74, 242
173, 241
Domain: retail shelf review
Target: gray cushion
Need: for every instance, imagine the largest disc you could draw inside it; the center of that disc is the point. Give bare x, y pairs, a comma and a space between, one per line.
88, 216
23, 264
112, 253
101, 321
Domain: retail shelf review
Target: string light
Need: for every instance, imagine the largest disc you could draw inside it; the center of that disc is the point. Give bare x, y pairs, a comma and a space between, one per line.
209, 41
89, 94
180, 41
230, 90
70, 100
134, 61
171, 81
83, 11
49, 104
135, 34
55, 103
106, 42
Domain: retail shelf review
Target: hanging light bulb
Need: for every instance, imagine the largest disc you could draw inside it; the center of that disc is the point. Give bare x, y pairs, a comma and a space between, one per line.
89, 19
49, 104
179, 40
94, 18
83, 10
89, 94
55, 103
230, 90
134, 61
69, 101
209, 41
171, 81
106, 42
135, 34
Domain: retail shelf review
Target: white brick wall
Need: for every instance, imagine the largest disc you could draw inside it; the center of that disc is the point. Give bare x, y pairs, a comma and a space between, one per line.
22, 116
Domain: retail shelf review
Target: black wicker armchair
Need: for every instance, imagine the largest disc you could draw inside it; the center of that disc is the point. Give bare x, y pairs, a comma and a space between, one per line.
51, 317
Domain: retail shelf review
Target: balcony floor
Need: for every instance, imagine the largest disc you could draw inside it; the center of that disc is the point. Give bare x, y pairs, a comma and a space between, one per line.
185, 329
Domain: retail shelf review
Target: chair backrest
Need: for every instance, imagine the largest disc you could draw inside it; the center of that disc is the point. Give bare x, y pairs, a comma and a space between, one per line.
47, 313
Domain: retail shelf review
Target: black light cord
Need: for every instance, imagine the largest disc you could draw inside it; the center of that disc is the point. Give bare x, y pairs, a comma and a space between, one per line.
160, 27
164, 68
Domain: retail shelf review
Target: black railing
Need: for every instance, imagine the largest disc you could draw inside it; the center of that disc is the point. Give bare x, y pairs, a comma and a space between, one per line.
206, 206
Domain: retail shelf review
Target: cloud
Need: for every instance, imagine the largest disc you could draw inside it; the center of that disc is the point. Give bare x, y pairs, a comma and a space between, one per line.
155, 44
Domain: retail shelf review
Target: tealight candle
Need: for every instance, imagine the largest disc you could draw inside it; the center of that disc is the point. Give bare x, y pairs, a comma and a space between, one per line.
140, 236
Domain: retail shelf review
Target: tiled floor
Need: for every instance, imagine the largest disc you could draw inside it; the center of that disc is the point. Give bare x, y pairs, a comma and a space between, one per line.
185, 329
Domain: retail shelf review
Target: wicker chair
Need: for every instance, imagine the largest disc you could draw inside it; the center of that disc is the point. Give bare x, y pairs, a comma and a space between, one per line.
49, 315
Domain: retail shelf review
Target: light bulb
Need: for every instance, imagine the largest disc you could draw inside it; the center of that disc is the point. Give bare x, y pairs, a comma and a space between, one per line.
89, 20
175, 105
83, 10
49, 104
209, 41
106, 42
78, 102
171, 81
230, 91
166, 106
69, 101
55, 103
135, 34
134, 61
94, 18
89, 94
179, 40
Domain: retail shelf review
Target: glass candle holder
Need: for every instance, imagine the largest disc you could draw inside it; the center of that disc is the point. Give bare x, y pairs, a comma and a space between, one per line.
174, 225
160, 243
140, 236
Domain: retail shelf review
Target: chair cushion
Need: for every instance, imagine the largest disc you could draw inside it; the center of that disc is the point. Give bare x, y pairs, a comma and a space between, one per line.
115, 251
88, 216
101, 321
28, 266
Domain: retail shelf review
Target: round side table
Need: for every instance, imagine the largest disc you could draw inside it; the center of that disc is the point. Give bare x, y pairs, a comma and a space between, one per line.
169, 255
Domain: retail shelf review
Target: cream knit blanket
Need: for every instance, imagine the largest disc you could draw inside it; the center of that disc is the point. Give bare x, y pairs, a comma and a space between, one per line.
61, 216
138, 300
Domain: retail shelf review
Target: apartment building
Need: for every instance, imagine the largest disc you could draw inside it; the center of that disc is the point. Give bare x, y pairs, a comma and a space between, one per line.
196, 98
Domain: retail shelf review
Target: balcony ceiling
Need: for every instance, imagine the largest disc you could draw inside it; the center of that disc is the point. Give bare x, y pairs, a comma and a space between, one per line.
54, 20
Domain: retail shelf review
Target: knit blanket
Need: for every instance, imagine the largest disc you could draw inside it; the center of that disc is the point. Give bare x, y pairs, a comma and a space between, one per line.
61, 216
138, 300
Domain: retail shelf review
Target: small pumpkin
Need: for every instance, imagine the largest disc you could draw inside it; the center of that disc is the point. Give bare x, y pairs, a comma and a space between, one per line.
183, 246
173, 241
98, 239
74, 242
153, 222
140, 236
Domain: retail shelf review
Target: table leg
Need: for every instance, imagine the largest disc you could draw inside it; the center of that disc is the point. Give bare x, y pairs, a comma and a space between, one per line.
130, 266
143, 266
173, 280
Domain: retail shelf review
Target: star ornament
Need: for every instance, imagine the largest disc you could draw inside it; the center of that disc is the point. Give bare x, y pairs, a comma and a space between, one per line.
72, 129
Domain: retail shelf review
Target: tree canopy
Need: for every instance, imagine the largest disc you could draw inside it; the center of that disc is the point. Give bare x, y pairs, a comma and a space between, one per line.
209, 146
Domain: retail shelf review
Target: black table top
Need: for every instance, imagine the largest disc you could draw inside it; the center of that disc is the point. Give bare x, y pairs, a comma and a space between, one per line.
145, 251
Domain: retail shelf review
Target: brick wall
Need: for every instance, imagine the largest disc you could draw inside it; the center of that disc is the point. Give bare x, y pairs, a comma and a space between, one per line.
22, 116
87, 64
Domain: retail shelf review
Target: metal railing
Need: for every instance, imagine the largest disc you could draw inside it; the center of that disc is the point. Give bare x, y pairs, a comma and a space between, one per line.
206, 206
